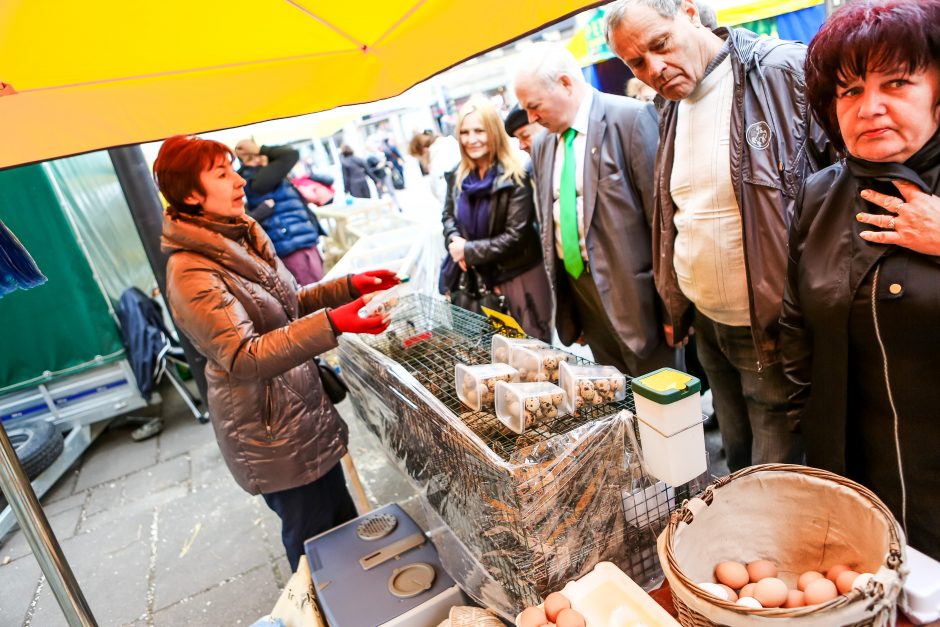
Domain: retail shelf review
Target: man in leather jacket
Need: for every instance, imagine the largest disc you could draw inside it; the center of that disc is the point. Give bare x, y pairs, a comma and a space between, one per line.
733, 152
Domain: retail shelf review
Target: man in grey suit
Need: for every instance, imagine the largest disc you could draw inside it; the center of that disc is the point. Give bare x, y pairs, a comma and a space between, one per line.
594, 185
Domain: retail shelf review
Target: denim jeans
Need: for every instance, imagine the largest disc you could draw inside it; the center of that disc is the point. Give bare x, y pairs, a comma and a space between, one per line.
751, 406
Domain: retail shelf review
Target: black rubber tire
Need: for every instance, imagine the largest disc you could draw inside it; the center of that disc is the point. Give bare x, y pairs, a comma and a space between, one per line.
37, 446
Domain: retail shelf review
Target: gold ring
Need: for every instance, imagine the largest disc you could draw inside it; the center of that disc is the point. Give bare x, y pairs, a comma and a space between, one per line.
891, 224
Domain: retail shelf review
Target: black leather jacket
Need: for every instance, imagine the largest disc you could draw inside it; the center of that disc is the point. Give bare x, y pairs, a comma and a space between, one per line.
513, 244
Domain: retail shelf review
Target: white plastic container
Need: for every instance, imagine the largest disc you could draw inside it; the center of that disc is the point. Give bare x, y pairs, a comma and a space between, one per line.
519, 406
921, 598
538, 363
385, 302
501, 347
669, 410
607, 597
589, 386
476, 385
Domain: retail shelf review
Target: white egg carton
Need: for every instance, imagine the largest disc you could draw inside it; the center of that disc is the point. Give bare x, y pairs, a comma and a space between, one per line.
475, 385
520, 406
538, 364
385, 302
921, 598
607, 597
502, 347
590, 386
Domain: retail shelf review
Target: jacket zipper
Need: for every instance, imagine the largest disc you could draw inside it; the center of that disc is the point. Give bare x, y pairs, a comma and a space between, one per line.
269, 407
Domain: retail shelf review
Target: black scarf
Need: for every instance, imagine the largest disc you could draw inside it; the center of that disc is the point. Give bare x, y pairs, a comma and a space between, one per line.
922, 169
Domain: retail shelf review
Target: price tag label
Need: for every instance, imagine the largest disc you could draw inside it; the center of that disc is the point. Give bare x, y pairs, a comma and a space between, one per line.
503, 323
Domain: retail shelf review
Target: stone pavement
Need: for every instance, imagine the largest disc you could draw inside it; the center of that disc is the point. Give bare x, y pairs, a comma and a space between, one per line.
158, 533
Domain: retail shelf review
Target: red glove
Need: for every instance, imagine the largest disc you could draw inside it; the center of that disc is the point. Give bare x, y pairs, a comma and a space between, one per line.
346, 319
374, 281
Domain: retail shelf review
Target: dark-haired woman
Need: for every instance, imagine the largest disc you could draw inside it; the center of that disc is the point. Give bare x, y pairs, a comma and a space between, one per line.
233, 297
861, 338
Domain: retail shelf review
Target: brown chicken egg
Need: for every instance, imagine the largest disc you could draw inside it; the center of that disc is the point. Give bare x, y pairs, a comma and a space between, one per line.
794, 599
845, 580
761, 569
732, 574
570, 618
555, 603
747, 591
819, 591
532, 617
805, 578
834, 571
771, 592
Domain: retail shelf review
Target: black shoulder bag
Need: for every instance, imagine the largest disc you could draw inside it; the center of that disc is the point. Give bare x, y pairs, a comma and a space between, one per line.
472, 294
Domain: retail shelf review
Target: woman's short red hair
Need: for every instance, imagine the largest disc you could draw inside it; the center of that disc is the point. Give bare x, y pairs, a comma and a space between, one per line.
180, 162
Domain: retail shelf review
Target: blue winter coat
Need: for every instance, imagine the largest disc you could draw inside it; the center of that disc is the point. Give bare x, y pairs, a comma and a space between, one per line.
290, 225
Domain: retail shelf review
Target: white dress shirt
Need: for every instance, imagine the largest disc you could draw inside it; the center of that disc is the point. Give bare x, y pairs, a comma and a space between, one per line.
580, 124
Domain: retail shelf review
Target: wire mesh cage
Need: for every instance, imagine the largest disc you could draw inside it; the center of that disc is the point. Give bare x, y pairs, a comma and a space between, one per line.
531, 511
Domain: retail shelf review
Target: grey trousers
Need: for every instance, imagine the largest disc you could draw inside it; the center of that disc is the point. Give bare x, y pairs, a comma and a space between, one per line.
529, 298
599, 333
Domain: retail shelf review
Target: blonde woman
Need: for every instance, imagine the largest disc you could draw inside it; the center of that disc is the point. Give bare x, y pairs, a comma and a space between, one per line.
489, 220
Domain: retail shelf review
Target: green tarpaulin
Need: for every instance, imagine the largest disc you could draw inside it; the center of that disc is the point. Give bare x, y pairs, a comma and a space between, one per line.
64, 325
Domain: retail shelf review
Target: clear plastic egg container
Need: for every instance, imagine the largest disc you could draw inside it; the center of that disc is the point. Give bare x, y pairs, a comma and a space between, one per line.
475, 385
502, 347
520, 406
591, 386
538, 363
385, 302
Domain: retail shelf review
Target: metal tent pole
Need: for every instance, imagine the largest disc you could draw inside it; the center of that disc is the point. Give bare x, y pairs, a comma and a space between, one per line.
19, 492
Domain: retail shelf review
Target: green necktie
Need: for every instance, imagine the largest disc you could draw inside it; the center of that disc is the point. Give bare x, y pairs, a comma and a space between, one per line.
568, 211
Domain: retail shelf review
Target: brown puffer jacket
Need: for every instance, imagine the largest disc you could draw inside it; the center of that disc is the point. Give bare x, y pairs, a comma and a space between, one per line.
231, 295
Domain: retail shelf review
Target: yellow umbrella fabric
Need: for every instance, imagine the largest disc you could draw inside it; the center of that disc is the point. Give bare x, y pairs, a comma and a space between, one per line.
105, 73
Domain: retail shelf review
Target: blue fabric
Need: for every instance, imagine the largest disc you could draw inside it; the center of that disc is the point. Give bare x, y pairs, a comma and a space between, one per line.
801, 25
290, 228
146, 338
17, 268
473, 205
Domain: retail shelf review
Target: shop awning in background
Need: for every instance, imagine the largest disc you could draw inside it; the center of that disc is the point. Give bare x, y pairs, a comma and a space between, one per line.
796, 20
97, 74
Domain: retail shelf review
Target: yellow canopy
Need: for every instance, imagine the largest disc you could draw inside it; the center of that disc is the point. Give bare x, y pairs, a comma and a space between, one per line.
92, 75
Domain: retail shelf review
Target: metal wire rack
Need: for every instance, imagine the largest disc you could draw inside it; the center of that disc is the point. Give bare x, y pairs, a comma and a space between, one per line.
564, 495
429, 337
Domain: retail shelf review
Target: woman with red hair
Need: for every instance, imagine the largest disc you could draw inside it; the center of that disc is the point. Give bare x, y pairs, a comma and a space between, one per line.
860, 333
233, 297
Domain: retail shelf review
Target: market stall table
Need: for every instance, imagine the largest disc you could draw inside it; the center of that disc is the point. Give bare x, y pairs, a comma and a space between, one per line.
338, 218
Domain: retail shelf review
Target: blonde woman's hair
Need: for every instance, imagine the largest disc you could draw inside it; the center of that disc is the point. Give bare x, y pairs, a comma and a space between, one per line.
499, 147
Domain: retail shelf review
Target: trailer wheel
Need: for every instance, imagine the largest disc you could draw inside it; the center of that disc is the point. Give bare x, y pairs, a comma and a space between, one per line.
37, 446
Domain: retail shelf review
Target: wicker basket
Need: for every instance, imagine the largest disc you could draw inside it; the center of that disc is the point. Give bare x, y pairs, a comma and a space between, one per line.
801, 518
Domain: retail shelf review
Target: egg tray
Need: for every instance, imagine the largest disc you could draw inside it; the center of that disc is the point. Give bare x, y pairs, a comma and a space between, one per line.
526, 512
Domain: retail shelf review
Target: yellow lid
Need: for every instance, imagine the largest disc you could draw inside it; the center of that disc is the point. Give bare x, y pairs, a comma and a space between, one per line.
666, 385
667, 379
